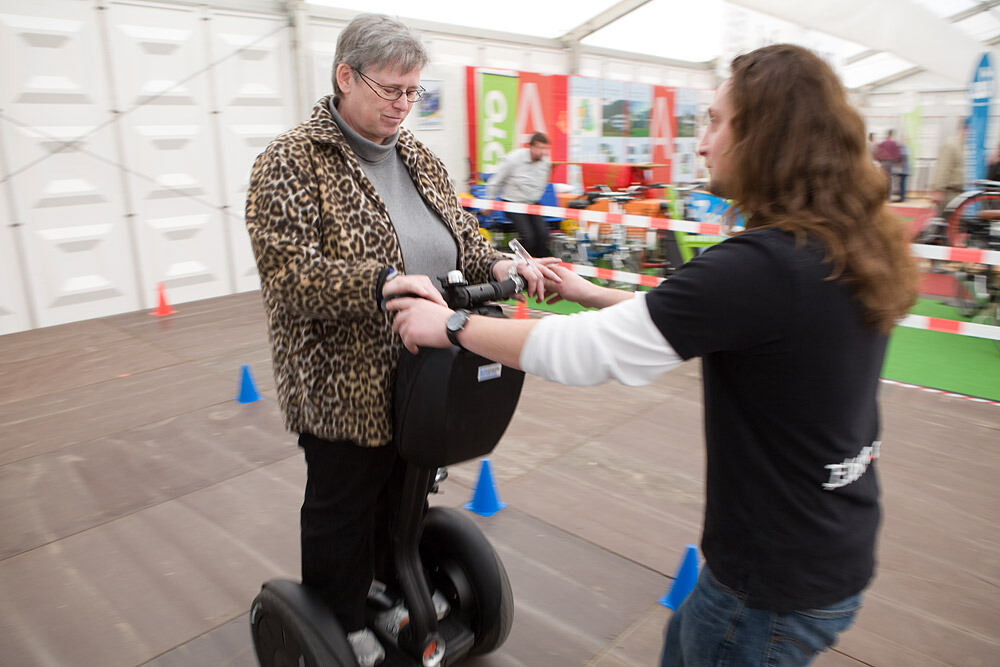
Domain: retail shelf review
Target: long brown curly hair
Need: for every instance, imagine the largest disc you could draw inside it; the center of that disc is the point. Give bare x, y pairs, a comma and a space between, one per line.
801, 163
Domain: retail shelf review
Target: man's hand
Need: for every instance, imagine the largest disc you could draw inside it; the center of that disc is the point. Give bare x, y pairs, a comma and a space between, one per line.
536, 275
574, 287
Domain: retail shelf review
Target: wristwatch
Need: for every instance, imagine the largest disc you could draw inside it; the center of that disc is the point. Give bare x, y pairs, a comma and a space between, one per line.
456, 323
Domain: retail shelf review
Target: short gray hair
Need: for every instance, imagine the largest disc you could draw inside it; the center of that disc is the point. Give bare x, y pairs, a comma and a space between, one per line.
374, 41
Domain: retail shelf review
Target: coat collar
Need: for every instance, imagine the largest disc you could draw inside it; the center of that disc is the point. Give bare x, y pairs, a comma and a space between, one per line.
323, 129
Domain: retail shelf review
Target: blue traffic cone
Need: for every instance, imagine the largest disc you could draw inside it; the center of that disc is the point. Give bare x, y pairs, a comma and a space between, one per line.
684, 580
484, 501
248, 392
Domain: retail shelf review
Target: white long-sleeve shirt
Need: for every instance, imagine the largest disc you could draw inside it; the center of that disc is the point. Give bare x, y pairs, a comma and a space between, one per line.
519, 179
619, 342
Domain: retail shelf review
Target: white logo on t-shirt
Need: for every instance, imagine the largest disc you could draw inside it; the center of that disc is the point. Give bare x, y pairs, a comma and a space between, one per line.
842, 474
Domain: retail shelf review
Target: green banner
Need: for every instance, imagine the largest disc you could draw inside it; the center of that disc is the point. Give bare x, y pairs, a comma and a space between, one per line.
497, 112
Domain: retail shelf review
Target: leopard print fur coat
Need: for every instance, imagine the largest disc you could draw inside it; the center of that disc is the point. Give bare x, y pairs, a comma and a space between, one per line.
322, 238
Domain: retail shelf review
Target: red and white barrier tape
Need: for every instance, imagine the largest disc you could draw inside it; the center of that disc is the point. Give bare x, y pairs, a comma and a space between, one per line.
911, 321
587, 215
947, 253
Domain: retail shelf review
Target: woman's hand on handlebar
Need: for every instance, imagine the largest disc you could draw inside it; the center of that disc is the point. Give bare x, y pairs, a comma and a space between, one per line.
536, 275
420, 322
416, 286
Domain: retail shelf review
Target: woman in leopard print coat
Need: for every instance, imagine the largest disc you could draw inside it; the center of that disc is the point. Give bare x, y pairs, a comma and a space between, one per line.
336, 206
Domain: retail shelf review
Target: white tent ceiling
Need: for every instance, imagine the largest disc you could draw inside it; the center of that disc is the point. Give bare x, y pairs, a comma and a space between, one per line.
869, 41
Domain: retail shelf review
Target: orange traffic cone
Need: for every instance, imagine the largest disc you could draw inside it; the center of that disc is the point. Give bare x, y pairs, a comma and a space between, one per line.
163, 308
521, 310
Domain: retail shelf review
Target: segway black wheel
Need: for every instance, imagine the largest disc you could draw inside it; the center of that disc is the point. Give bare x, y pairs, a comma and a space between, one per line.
288, 632
462, 565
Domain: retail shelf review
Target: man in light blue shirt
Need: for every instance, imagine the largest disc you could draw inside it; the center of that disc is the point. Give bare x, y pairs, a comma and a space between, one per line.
521, 178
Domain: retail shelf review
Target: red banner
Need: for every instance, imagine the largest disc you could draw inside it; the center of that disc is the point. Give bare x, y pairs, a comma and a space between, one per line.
662, 130
471, 125
541, 107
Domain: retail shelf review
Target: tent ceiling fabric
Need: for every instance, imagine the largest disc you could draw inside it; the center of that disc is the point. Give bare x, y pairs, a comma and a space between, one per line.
870, 42
607, 17
900, 27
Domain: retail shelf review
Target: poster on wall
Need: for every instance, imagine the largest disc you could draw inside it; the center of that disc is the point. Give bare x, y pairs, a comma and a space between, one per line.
585, 119
639, 149
588, 121
614, 128
685, 163
429, 113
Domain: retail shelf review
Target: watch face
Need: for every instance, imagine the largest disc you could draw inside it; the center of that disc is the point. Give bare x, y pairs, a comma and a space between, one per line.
457, 320
455, 324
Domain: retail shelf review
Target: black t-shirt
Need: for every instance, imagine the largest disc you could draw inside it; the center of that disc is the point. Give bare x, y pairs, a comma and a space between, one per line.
790, 381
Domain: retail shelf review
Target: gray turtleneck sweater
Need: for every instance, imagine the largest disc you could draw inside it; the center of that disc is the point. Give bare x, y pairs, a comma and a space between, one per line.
425, 241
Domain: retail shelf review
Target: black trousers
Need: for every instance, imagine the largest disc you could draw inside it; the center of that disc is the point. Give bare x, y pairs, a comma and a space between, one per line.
532, 231
348, 513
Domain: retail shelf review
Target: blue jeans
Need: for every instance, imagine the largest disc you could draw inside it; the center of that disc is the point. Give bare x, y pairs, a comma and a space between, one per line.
715, 627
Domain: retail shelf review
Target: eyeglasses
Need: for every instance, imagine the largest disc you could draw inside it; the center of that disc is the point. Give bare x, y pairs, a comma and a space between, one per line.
392, 93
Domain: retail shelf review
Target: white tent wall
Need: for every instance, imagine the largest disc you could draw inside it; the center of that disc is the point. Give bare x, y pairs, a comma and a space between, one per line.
128, 129
126, 135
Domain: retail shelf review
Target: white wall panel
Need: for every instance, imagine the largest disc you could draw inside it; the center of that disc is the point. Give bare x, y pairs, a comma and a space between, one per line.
254, 99
161, 82
503, 56
546, 61
13, 309
321, 46
61, 160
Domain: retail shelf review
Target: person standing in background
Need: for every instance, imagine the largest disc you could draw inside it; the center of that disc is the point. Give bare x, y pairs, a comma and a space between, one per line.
900, 172
522, 177
887, 155
949, 176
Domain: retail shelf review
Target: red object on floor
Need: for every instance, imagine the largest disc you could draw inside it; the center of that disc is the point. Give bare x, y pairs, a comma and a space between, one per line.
916, 217
163, 308
937, 284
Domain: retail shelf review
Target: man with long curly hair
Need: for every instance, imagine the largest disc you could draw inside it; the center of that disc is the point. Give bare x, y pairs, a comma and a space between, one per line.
791, 319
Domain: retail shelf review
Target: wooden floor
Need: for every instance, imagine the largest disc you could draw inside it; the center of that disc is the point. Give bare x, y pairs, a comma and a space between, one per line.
141, 506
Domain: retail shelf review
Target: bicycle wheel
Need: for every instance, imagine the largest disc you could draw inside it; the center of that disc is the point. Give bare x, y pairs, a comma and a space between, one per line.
956, 226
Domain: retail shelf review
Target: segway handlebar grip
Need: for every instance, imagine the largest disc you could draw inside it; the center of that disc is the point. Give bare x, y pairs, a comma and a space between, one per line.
470, 296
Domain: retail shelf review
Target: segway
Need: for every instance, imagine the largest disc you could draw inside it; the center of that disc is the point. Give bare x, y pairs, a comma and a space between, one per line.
454, 598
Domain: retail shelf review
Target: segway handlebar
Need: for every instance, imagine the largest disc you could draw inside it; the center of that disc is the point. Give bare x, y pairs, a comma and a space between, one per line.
459, 294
